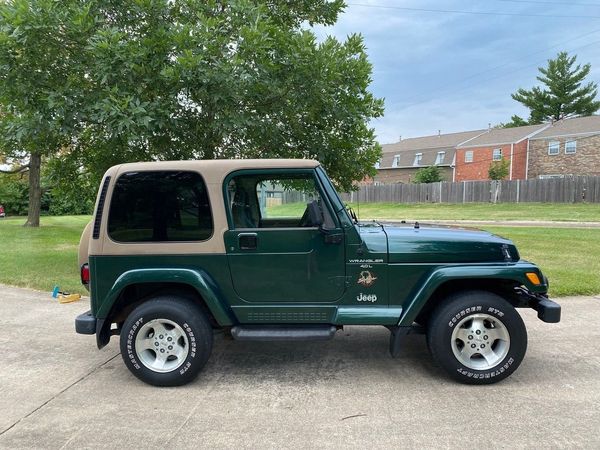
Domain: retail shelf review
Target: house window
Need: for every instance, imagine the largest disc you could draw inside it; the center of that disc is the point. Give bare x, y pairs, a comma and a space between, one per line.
570, 147
396, 161
553, 148
440, 158
497, 154
469, 156
378, 164
418, 157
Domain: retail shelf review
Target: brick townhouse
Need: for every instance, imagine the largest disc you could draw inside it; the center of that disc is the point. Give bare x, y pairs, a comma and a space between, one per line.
400, 161
473, 158
567, 147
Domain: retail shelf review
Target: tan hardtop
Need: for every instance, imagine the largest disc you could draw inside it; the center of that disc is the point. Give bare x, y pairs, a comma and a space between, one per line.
214, 170
214, 173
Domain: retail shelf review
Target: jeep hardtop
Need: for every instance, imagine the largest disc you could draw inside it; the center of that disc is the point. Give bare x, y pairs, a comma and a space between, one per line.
266, 250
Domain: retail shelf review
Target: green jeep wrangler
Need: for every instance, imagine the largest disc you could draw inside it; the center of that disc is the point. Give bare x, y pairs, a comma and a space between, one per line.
266, 250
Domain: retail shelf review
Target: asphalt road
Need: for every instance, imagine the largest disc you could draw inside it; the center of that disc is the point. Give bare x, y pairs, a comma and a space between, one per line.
58, 391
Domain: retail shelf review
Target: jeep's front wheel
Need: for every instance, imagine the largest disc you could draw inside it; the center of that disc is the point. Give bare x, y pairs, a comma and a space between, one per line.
166, 341
477, 337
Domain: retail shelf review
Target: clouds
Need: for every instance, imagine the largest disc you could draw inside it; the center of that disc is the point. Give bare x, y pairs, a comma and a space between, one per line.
455, 71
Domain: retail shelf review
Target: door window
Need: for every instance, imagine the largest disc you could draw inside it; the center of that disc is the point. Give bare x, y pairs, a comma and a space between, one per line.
272, 201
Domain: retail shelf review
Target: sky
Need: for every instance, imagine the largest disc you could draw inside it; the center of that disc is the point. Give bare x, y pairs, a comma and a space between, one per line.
453, 72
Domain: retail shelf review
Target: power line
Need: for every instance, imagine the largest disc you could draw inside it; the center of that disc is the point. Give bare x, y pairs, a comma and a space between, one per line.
541, 2
479, 13
494, 77
500, 66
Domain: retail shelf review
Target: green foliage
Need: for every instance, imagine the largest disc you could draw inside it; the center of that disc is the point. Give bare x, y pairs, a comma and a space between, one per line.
13, 194
431, 174
94, 84
515, 121
499, 169
564, 94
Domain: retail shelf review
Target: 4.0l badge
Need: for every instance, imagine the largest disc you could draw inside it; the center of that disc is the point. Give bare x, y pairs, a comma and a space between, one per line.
366, 278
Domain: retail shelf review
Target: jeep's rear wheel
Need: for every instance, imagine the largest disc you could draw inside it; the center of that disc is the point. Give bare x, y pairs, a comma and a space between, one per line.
477, 337
166, 341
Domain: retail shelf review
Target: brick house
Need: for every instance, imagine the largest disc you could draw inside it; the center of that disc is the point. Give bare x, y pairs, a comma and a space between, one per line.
401, 161
473, 158
566, 147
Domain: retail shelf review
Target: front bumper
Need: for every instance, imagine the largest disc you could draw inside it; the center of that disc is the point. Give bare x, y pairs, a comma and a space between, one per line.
547, 310
85, 323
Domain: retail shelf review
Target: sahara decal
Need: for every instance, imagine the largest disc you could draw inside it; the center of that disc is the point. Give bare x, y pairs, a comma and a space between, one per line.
366, 278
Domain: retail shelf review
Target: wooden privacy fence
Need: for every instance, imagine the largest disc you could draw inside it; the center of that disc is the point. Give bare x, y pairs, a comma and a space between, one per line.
552, 190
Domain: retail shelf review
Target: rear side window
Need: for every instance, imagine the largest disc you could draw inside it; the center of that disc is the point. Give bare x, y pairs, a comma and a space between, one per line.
160, 206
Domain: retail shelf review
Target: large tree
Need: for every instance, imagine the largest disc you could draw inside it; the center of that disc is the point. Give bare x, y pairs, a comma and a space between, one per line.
564, 93
162, 79
40, 42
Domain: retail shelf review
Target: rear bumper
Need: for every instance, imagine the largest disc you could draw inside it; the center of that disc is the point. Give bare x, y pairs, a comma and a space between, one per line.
85, 323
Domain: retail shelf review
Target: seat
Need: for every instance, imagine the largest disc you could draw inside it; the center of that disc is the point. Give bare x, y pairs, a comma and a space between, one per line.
241, 211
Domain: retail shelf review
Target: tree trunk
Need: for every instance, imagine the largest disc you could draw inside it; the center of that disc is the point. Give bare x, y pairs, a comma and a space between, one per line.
35, 191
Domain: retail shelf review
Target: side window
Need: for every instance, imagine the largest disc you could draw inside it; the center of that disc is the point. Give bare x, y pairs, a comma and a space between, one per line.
272, 201
160, 206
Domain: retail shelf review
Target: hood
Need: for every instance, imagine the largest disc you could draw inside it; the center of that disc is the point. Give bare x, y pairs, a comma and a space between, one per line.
440, 244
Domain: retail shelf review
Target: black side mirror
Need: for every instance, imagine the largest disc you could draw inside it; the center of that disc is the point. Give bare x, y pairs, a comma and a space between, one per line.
315, 214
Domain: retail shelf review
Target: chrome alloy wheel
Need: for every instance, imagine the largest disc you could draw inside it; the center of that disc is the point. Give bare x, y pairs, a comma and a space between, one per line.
161, 345
480, 341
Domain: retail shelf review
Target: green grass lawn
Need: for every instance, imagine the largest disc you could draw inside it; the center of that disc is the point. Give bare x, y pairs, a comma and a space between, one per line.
583, 212
47, 256
43, 257
569, 257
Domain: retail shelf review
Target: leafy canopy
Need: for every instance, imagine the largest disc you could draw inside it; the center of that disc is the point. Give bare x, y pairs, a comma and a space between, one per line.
431, 174
96, 83
564, 93
499, 170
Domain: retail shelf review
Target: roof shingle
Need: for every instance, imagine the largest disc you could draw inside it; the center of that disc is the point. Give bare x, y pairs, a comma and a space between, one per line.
569, 127
497, 136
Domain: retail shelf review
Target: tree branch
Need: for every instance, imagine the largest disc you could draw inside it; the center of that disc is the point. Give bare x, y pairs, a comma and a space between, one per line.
17, 170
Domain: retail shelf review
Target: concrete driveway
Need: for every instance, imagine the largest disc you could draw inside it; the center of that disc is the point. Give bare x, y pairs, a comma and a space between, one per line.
58, 391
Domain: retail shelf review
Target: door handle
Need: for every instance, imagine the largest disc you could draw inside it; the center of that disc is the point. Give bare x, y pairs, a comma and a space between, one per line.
248, 241
334, 238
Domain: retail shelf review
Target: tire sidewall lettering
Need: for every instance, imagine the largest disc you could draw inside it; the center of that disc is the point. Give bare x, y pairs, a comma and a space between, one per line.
131, 353
503, 366
131, 343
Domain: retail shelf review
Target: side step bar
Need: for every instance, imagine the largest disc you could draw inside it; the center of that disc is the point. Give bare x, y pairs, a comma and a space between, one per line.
283, 332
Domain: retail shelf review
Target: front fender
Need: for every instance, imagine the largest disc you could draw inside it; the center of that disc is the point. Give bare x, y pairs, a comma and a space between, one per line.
512, 272
198, 279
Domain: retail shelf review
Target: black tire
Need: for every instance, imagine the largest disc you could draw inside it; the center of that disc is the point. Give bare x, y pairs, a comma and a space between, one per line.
466, 311
194, 342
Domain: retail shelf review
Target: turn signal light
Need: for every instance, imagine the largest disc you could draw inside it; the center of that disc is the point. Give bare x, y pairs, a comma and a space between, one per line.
85, 274
533, 277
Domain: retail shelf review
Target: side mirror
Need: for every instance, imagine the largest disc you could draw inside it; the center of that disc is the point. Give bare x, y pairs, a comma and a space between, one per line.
315, 214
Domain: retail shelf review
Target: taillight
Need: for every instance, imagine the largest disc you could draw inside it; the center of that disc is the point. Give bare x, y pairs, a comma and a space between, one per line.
85, 274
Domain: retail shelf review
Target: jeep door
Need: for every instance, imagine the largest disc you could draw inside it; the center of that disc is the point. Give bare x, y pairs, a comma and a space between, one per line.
276, 254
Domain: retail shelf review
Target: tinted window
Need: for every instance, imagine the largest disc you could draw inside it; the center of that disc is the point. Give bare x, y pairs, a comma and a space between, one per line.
158, 207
